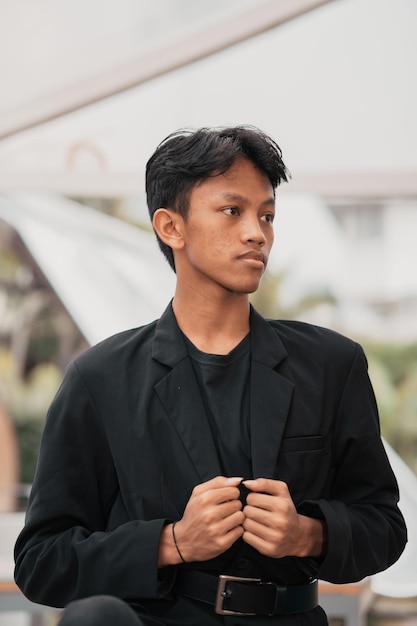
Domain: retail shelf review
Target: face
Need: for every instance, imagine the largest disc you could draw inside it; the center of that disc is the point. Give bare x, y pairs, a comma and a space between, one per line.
228, 233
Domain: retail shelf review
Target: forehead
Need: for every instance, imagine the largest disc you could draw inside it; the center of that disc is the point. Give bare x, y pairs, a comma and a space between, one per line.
242, 178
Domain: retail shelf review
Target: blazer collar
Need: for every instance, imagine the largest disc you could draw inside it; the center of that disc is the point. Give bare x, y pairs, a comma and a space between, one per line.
179, 393
169, 346
266, 345
270, 396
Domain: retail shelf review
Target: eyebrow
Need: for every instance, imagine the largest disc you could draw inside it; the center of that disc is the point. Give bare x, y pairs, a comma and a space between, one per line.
237, 197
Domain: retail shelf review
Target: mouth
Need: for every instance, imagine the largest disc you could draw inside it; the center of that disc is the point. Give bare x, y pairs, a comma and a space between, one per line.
254, 259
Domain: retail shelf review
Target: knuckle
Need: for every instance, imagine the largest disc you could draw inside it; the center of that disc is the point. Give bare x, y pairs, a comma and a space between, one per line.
204, 498
207, 516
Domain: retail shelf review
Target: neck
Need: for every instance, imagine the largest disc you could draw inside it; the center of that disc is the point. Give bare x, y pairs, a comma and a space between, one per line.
215, 327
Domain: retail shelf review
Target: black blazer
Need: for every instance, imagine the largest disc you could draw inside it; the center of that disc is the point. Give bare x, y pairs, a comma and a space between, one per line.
126, 440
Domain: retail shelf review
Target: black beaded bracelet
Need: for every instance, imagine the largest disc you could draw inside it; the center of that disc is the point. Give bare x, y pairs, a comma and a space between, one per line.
175, 542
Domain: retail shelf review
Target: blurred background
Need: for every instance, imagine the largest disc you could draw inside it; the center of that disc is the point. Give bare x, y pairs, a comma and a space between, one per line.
88, 89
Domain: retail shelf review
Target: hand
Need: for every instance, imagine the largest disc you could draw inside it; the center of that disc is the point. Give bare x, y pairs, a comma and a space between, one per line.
212, 519
272, 525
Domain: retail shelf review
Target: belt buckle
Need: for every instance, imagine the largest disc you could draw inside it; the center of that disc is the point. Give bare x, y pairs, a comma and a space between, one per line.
222, 593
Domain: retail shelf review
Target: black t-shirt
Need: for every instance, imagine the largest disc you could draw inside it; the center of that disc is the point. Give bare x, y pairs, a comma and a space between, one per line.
224, 385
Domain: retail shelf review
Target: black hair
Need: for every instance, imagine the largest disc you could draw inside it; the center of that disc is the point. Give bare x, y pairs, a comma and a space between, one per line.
187, 157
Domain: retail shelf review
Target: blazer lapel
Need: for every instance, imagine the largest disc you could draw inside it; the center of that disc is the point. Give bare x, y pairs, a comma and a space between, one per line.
179, 393
270, 394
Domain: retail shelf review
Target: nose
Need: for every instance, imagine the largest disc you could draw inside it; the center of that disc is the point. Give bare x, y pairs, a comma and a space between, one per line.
252, 231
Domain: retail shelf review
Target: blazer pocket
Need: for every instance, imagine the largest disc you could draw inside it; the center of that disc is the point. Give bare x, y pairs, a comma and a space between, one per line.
304, 464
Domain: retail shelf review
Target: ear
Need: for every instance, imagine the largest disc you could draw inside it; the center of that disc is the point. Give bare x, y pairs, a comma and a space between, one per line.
168, 226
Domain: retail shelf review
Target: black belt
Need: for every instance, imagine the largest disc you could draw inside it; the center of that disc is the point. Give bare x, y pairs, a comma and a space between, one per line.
233, 595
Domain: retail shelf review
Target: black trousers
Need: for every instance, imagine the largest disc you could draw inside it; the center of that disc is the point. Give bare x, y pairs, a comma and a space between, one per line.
107, 610
103, 611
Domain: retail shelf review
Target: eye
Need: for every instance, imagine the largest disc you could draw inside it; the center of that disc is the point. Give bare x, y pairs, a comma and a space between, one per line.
231, 210
268, 217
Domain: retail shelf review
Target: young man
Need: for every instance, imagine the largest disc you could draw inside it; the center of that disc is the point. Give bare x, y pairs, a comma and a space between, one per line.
212, 463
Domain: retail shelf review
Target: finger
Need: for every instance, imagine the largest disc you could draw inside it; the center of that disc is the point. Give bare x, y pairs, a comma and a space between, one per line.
262, 501
216, 497
269, 509
232, 521
229, 508
261, 515
267, 533
278, 498
213, 525
210, 515
230, 536
268, 486
233, 534
262, 528
221, 534
217, 483
276, 520
262, 546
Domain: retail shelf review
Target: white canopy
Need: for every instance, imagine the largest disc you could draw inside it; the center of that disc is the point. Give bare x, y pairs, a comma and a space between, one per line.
335, 86
108, 275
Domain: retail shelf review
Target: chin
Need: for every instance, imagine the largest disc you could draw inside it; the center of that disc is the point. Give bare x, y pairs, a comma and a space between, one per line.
247, 289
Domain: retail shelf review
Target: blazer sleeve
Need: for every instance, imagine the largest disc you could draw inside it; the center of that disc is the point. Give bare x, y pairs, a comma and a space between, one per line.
366, 530
65, 550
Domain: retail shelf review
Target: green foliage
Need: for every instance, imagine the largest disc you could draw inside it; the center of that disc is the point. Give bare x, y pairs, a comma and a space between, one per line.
399, 359
9, 265
393, 371
37, 339
27, 401
31, 397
